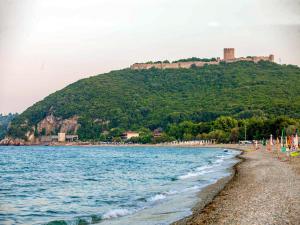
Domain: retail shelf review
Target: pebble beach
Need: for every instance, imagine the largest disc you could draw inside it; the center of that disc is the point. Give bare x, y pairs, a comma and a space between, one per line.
264, 189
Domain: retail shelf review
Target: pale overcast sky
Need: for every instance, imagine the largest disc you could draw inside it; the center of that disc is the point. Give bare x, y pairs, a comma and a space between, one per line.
48, 44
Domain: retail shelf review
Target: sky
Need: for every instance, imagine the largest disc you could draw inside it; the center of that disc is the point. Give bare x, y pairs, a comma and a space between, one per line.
47, 44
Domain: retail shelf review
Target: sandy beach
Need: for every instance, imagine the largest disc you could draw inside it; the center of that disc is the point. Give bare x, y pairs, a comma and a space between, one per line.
263, 190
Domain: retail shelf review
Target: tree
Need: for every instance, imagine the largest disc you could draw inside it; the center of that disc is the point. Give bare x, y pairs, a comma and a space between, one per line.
163, 138
36, 133
234, 134
193, 66
225, 123
116, 139
188, 137
43, 131
116, 132
219, 135
256, 128
174, 131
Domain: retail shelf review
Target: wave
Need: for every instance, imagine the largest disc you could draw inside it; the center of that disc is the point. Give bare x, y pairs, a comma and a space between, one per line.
57, 222
157, 197
198, 171
114, 213
171, 192
189, 175
220, 159
193, 188
202, 168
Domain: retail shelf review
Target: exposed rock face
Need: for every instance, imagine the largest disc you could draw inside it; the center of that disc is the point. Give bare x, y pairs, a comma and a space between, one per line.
11, 141
50, 124
30, 135
70, 125
53, 125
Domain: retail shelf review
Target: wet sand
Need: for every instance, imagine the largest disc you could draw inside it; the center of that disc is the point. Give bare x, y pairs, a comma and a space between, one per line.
263, 190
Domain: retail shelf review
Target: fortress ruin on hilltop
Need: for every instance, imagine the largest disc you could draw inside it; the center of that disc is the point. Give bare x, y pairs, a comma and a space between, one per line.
229, 57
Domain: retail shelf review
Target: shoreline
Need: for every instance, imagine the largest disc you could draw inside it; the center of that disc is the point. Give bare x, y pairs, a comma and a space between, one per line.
210, 192
239, 147
262, 190
180, 203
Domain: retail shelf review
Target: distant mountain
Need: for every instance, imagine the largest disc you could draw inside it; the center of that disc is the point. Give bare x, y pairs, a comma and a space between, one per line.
4, 122
153, 98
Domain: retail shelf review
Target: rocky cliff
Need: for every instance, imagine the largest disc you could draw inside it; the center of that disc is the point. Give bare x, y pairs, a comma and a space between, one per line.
50, 125
53, 125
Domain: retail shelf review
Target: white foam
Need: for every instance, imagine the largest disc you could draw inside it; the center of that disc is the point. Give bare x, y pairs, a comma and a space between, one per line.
201, 168
199, 171
218, 161
157, 197
171, 192
189, 175
116, 213
193, 188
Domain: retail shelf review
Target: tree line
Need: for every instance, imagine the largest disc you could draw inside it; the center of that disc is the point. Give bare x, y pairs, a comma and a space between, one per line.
224, 129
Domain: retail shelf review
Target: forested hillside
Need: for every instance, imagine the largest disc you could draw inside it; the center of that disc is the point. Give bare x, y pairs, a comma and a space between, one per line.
133, 99
4, 122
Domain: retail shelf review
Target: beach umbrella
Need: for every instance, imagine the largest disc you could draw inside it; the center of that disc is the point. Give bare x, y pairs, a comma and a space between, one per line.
271, 139
281, 138
290, 141
277, 144
296, 141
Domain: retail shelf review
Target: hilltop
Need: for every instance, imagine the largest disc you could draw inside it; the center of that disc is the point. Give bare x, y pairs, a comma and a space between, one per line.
132, 99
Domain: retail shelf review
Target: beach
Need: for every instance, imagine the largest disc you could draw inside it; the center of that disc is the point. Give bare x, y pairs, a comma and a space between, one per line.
259, 189
263, 190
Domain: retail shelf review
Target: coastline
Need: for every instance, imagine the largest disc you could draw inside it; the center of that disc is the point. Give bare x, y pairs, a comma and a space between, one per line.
192, 193
256, 193
208, 194
168, 144
263, 188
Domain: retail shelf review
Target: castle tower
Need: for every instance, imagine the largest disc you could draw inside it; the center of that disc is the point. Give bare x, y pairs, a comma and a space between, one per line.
271, 58
229, 54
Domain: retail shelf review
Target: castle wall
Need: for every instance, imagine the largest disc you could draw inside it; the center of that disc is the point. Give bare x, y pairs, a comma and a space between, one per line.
139, 66
228, 58
254, 59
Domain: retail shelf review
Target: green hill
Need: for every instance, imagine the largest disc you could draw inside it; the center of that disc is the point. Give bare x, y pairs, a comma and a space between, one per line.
4, 122
132, 99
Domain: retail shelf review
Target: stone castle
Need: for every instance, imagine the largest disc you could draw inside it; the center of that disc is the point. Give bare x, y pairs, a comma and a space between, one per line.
228, 58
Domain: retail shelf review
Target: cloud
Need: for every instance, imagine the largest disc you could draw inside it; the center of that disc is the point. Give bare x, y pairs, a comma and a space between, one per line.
214, 24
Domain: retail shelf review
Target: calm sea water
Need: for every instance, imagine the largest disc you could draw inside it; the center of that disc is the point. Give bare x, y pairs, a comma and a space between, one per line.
105, 185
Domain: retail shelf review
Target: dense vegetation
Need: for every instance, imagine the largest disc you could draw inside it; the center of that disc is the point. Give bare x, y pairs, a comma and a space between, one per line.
194, 59
4, 122
227, 129
223, 130
148, 99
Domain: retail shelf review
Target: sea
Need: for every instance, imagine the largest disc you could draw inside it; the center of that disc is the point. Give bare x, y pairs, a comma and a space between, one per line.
72, 185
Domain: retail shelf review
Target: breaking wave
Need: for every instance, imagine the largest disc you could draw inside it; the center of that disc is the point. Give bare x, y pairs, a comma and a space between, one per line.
116, 213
